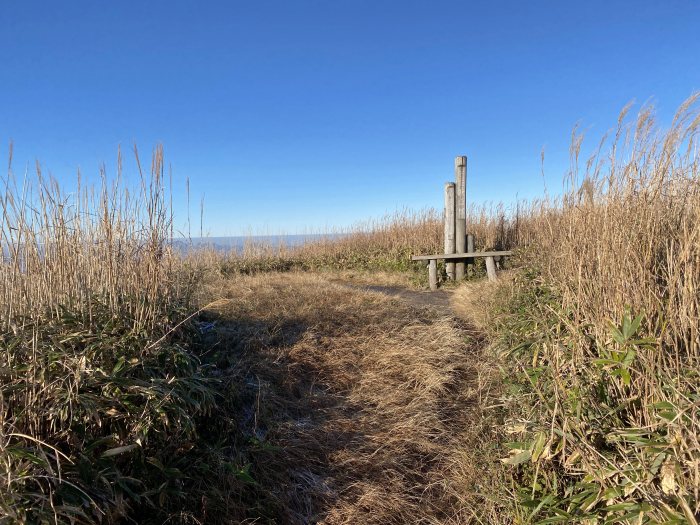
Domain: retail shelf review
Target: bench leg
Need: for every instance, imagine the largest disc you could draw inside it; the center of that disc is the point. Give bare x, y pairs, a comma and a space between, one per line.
491, 269
432, 274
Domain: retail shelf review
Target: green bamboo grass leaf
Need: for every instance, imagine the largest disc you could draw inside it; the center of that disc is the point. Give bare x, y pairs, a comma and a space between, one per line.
241, 473
626, 506
616, 334
538, 505
118, 366
538, 446
624, 374
517, 459
24, 453
561, 517
666, 410
634, 326
629, 357
604, 362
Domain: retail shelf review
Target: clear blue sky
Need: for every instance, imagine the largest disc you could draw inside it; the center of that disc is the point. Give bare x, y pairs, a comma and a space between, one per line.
297, 115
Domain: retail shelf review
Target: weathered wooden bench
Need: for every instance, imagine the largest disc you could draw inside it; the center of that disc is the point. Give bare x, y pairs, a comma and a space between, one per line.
491, 258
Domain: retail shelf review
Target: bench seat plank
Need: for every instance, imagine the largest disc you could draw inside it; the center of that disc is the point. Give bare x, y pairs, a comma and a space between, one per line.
460, 255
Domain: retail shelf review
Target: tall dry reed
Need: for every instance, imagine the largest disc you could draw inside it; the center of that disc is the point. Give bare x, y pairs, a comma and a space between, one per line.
103, 245
94, 399
605, 327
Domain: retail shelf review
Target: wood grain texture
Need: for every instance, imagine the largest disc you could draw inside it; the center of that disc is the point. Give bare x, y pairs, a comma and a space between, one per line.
460, 212
450, 246
432, 274
465, 255
491, 269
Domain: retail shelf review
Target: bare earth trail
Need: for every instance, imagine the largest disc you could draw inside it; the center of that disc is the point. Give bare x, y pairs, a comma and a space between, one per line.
358, 405
440, 300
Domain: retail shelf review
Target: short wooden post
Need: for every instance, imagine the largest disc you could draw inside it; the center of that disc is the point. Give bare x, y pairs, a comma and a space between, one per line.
432, 274
470, 249
491, 269
460, 212
450, 227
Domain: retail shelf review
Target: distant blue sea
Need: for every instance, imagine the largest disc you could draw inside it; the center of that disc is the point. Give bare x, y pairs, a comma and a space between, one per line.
236, 244
229, 244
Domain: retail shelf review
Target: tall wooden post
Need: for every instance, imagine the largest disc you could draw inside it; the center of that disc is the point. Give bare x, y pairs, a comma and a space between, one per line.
460, 212
470, 249
450, 226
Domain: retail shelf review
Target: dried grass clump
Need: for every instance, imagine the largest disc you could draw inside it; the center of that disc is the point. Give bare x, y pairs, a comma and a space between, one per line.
605, 326
480, 301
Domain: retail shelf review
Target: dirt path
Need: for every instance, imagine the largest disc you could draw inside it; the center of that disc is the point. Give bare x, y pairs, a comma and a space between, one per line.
439, 299
356, 407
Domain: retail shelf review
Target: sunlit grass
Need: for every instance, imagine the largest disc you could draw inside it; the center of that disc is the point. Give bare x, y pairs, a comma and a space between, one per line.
113, 406
602, 334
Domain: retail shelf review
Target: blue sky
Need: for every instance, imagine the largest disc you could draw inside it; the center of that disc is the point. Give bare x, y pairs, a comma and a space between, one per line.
294, 116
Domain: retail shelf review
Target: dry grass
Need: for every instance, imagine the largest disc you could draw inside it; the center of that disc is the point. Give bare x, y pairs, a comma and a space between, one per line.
314, 401
600, 337
374, 404
93, 245
384, 245
111, 408
603, 326
479, 301
95, 396
403, 280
